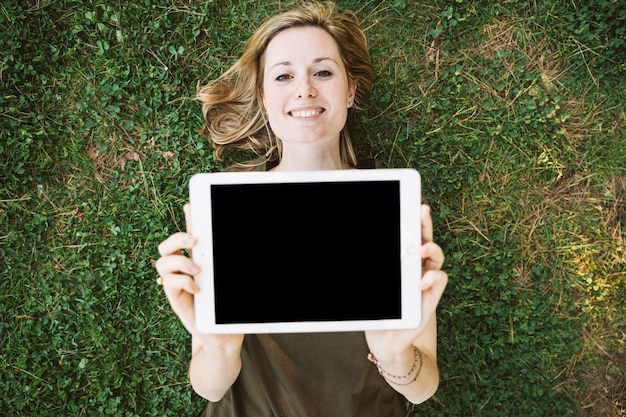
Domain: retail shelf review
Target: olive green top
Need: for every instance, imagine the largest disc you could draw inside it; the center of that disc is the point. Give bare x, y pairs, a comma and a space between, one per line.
307, 375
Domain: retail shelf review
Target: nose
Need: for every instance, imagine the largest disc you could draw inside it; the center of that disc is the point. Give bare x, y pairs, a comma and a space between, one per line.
305, 88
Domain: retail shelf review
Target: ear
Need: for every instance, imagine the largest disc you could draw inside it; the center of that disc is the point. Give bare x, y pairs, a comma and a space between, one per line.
351, 94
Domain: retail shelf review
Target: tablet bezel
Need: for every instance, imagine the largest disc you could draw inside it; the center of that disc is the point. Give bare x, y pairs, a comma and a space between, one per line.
410, 241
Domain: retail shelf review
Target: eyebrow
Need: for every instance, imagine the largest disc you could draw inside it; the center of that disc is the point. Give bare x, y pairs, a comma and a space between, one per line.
315, 61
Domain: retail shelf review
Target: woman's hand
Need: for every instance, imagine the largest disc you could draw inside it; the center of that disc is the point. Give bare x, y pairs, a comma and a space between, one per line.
385, 344
176, 273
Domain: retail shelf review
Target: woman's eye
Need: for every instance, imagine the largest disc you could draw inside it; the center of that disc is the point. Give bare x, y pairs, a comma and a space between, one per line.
324, 74
283, 77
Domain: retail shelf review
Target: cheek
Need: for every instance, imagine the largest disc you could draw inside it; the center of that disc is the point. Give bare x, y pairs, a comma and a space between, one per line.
271, 103
272, 110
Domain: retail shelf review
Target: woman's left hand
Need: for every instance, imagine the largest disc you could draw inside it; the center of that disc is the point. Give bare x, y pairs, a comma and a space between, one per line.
387, 343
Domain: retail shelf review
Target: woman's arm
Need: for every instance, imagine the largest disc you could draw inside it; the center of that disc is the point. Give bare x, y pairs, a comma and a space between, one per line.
414, 373
216, 359
215, 364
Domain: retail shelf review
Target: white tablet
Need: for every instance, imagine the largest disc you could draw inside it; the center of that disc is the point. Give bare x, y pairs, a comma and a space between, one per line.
307, 251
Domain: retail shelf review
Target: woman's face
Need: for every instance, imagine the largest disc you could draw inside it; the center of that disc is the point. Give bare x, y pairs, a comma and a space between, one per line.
306, 93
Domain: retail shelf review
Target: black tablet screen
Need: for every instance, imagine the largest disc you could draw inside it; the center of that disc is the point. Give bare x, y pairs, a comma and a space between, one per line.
321, 251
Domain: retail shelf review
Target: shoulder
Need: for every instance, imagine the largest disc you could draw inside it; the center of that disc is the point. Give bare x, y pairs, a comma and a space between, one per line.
369, 163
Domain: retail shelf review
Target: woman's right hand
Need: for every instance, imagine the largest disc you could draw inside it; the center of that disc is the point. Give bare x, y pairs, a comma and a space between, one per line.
177, 273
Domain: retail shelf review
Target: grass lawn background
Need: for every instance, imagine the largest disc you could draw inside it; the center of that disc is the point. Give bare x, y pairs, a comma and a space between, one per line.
514, 113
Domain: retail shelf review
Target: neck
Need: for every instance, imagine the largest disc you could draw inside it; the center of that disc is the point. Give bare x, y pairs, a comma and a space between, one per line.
303, 158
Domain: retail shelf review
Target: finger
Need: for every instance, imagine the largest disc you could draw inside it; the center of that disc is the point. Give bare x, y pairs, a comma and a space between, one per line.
176, 242
427, 224
435, 283
175, 284
432, 256
180, 290
176, 264
434, 279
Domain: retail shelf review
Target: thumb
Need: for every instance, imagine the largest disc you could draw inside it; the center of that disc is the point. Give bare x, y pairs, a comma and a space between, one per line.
187, 210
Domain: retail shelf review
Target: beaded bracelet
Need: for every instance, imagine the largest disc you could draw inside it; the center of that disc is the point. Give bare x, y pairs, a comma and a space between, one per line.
381, 371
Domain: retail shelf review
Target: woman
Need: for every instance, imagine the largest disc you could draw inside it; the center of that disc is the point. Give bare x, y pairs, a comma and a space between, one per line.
287, 99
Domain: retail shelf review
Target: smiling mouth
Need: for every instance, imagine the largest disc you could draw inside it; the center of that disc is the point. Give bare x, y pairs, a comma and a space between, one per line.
306, 113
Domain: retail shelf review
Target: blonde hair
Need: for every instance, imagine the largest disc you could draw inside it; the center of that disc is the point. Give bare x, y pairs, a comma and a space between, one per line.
232, 106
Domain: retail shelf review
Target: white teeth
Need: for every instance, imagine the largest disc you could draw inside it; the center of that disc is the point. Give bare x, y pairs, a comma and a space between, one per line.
307, 113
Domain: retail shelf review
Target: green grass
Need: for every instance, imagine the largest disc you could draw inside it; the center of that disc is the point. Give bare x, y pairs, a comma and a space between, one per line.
514, 114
